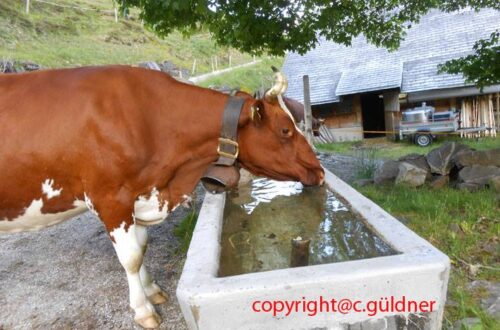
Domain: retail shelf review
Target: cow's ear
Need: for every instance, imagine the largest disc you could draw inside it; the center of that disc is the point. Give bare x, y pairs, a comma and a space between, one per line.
257, 111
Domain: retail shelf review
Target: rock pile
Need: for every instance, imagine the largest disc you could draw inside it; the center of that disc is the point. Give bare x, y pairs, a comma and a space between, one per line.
8, 66
12, 66
452, 164
167, 67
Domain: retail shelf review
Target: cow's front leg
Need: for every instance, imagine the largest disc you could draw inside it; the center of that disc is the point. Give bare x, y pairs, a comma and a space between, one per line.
130, 254
154, 293
118, 219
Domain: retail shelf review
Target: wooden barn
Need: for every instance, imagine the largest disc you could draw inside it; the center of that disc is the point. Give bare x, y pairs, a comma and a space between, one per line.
363, 88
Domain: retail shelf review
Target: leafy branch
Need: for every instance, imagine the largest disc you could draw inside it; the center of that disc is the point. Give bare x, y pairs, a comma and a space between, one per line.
481, 68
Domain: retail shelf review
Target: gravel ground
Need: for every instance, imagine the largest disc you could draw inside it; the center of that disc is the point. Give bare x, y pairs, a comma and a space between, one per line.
68, 276
342, 166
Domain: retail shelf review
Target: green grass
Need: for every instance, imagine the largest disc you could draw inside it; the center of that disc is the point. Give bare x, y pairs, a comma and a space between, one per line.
248, 78
184, 231
61, 37
394, 150
64, 37
430, 213
366, 163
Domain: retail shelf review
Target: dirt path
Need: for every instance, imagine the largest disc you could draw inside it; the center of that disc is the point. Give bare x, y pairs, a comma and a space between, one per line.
68, 276
200, 78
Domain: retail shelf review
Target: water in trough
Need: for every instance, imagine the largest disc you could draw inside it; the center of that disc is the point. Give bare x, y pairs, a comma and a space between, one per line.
261, 219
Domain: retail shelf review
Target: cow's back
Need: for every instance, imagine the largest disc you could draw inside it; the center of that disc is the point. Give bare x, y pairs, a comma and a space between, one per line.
60, 127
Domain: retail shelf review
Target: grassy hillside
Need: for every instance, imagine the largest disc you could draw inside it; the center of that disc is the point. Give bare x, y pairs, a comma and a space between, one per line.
60, 36
248, 78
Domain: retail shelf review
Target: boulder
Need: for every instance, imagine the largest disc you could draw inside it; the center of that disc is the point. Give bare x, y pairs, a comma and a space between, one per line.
441, 159
477, 174
472, 157
7, 66
472, 187
411, 175
387, 172
440, 181
494, 184
419, 161
150, 65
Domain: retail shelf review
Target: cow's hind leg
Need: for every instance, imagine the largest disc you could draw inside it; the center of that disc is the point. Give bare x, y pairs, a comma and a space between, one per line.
154, 293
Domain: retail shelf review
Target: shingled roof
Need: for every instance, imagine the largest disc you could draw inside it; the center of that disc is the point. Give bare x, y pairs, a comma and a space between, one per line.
335, 70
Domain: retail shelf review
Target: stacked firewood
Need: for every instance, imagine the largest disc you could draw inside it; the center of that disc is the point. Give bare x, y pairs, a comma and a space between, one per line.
479, 111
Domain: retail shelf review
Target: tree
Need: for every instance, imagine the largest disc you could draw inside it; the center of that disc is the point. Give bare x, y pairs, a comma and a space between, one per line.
481, 68
278, 26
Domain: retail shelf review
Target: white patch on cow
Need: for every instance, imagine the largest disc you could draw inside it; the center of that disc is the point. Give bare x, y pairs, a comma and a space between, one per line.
33, 218
150, 210
176, 206
287, 111
130, 253
89, 204
186, 203
48, 189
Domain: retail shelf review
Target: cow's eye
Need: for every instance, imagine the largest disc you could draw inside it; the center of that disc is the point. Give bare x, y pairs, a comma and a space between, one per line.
286, 132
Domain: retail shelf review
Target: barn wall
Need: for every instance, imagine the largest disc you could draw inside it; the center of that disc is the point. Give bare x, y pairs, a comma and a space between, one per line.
391, 108
440, 104
348, 125
343, 125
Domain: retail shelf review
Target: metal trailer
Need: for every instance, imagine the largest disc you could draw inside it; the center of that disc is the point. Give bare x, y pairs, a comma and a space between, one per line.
422, 124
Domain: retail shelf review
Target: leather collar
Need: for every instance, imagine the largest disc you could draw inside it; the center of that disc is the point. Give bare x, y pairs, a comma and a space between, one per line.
224, 173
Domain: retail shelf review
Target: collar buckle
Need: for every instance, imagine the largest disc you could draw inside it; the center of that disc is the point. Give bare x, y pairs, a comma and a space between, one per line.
228, 142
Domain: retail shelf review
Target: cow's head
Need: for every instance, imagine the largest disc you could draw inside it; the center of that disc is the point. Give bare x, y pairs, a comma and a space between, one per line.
270, 143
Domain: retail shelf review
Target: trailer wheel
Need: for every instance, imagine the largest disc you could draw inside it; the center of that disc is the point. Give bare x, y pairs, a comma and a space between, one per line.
423, 139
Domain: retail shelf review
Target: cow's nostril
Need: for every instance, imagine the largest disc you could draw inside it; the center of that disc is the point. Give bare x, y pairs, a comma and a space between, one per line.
321, 177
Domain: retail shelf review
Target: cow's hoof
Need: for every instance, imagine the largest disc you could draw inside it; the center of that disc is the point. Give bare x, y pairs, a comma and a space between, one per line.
149, 322
159, 297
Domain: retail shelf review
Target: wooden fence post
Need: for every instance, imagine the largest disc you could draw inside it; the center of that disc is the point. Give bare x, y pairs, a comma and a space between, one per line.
193, 70
307, 111
27, 6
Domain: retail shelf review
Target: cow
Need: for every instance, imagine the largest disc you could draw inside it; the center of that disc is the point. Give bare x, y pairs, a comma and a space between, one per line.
297, 110
130, 145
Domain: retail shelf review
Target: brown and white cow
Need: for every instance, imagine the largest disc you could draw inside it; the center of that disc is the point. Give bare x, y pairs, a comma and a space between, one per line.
297, 110
130, 145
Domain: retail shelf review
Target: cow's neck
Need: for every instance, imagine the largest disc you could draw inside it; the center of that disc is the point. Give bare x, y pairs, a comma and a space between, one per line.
197, 131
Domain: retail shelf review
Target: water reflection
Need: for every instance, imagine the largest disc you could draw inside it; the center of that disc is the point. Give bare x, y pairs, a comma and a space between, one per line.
262, 190
262, 217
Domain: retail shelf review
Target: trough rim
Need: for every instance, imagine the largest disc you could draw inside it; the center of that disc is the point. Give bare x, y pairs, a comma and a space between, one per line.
200, 282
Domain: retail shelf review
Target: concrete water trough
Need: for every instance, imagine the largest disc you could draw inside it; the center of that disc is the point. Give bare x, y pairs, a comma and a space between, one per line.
403, 287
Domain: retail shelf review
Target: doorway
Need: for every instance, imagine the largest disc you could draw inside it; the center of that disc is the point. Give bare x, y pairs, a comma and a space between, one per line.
372, 109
